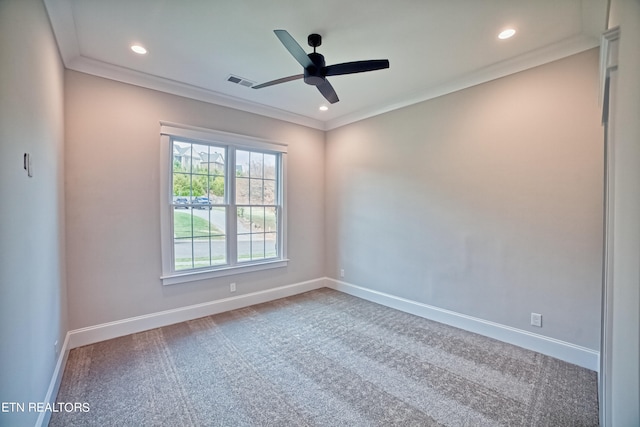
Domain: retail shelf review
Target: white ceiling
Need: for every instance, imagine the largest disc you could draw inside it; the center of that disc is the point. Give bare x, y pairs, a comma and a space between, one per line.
434, 47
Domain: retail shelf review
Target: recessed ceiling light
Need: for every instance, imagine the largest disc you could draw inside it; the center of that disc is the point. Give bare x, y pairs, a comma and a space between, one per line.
323, 108
506, 33
138, 49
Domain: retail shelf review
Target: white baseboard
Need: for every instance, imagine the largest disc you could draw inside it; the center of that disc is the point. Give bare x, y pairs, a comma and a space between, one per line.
105, 331
54, 385
568, 352
562, 350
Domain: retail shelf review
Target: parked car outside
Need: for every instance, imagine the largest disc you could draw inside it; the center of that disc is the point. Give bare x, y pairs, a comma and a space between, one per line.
181, 202
202, 203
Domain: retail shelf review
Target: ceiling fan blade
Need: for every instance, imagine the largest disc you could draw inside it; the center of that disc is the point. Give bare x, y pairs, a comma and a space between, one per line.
278, 81
293, 47
328, 92
356, 67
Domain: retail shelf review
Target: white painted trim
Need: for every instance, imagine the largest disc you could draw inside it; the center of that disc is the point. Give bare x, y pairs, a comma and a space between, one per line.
77, 338
64, 28
63, 24
212, 135
106, 331
150, 81
532, 59
608, 56
608, 72
562, 350
230, 142
176, 278
54, 384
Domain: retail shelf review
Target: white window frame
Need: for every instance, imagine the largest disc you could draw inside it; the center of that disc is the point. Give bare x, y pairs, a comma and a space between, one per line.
170, 131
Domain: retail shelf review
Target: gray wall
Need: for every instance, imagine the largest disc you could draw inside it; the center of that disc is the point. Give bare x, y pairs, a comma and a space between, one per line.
487, 201
32, 261
113, 189
625, 356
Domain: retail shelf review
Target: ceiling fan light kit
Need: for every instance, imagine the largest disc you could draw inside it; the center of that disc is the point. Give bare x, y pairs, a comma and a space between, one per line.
315, 70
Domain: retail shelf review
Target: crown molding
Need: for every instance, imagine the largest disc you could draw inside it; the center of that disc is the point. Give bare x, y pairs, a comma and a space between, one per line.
63, 24
62, 21
532, 59
568, 47
149, 81
64, 28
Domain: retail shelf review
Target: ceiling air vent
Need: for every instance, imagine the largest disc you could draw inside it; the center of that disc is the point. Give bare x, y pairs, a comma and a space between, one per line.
240, 81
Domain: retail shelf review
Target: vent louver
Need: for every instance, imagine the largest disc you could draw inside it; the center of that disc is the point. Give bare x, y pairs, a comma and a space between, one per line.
240, 81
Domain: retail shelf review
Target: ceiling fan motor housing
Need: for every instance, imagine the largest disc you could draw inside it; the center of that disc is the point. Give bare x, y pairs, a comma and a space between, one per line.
313, 74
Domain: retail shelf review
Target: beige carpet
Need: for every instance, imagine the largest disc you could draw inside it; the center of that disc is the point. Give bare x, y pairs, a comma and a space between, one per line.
322, 358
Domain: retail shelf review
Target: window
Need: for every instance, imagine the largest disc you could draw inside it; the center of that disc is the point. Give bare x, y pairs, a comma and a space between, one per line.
222, 199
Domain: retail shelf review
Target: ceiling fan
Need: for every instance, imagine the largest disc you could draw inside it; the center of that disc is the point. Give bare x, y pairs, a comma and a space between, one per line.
315, 70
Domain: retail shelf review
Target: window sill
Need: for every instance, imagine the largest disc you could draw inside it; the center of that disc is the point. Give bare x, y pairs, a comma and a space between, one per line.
192, 276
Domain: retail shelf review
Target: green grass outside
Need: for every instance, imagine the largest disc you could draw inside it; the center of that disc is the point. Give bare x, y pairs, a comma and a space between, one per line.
201, 227
267, 218
186, 263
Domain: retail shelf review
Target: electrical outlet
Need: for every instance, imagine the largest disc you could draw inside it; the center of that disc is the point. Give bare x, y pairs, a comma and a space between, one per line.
232, 287
536, 319
342, 273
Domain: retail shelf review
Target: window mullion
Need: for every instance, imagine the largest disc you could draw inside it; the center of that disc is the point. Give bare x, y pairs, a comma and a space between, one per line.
232, 224
166, 204
281, 210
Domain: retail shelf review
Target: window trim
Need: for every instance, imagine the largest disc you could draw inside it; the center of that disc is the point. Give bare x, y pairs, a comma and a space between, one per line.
170, 130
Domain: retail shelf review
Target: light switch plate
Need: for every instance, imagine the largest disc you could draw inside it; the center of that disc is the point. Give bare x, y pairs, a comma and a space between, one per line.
27, 164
